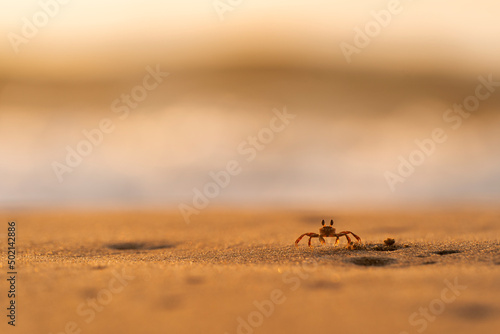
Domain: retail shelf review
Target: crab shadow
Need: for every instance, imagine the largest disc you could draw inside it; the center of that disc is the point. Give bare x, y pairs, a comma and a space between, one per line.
447, 252
372, 261
359, 254
353, 247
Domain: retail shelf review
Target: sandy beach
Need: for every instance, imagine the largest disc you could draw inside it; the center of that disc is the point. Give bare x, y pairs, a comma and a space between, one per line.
238, 272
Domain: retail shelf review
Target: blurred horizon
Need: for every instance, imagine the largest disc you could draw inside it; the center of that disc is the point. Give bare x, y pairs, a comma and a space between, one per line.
353, 120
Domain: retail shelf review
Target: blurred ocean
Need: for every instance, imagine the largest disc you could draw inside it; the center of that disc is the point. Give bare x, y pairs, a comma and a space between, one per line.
347, 132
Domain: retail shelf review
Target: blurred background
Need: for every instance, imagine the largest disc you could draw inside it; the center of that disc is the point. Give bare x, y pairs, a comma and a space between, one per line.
229, 66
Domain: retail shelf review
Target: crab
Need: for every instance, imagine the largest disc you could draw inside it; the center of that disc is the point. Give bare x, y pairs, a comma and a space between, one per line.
325, 232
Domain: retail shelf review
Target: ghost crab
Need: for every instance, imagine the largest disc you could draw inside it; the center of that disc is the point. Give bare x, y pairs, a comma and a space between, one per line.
325, 232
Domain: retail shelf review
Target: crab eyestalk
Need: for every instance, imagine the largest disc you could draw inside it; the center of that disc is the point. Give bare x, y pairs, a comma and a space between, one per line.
331, 222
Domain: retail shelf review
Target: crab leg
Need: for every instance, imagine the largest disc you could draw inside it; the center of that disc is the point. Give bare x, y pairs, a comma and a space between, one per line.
310, 235
345, 233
